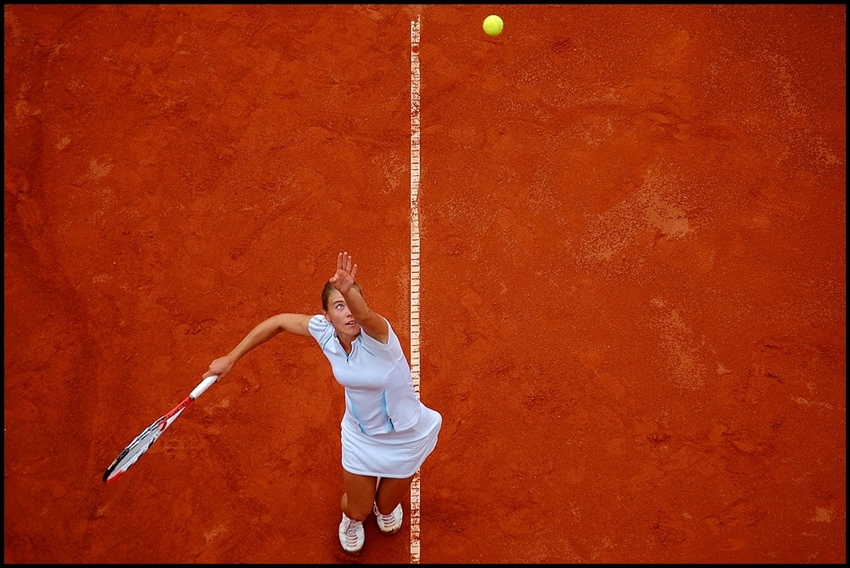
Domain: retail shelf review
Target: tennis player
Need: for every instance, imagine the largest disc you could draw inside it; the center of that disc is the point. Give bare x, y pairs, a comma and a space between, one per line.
386, 430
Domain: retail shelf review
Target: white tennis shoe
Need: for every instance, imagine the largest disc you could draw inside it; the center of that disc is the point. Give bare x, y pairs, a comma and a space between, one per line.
351, 535
389, 524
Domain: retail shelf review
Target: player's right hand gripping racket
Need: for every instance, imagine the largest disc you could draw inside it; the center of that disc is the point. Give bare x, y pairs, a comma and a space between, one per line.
144, 440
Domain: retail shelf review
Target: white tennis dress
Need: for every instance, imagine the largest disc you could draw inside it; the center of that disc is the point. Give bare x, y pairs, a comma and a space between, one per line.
386, 430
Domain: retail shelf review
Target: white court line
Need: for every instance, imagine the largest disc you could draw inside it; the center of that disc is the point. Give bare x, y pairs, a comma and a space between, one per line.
414, 264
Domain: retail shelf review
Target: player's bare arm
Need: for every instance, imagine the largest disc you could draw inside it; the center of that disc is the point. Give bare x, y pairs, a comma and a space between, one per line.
265, 330
343, 280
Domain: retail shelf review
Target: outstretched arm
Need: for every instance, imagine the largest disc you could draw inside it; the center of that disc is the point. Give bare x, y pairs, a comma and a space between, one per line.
293, 323
343, 280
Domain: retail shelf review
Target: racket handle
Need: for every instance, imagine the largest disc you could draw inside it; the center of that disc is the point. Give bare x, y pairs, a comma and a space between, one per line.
201, 388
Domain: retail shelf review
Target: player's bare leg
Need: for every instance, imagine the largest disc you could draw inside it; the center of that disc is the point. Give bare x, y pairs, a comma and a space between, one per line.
356, 504
388, 510
359, 495
390, 493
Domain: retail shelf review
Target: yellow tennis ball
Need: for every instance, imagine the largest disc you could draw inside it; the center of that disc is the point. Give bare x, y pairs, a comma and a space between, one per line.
493, 25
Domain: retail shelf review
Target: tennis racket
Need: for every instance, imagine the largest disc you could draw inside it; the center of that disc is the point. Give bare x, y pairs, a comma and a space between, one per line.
144, 440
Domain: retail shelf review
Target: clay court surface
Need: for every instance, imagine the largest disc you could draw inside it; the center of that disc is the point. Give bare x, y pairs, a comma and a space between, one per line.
632, 284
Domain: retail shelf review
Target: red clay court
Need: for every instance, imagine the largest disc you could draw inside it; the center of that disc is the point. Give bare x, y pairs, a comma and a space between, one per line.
630, 277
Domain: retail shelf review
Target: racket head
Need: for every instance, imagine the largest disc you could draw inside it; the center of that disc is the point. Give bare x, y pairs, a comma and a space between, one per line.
138, 446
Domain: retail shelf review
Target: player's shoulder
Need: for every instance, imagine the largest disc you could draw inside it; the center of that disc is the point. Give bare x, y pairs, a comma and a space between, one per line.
392, 339
318, 326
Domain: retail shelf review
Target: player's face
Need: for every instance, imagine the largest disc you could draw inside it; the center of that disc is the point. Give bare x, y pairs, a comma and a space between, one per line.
340, 316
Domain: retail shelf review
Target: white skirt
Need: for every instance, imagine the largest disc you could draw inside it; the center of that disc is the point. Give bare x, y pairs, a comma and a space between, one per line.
394, 454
